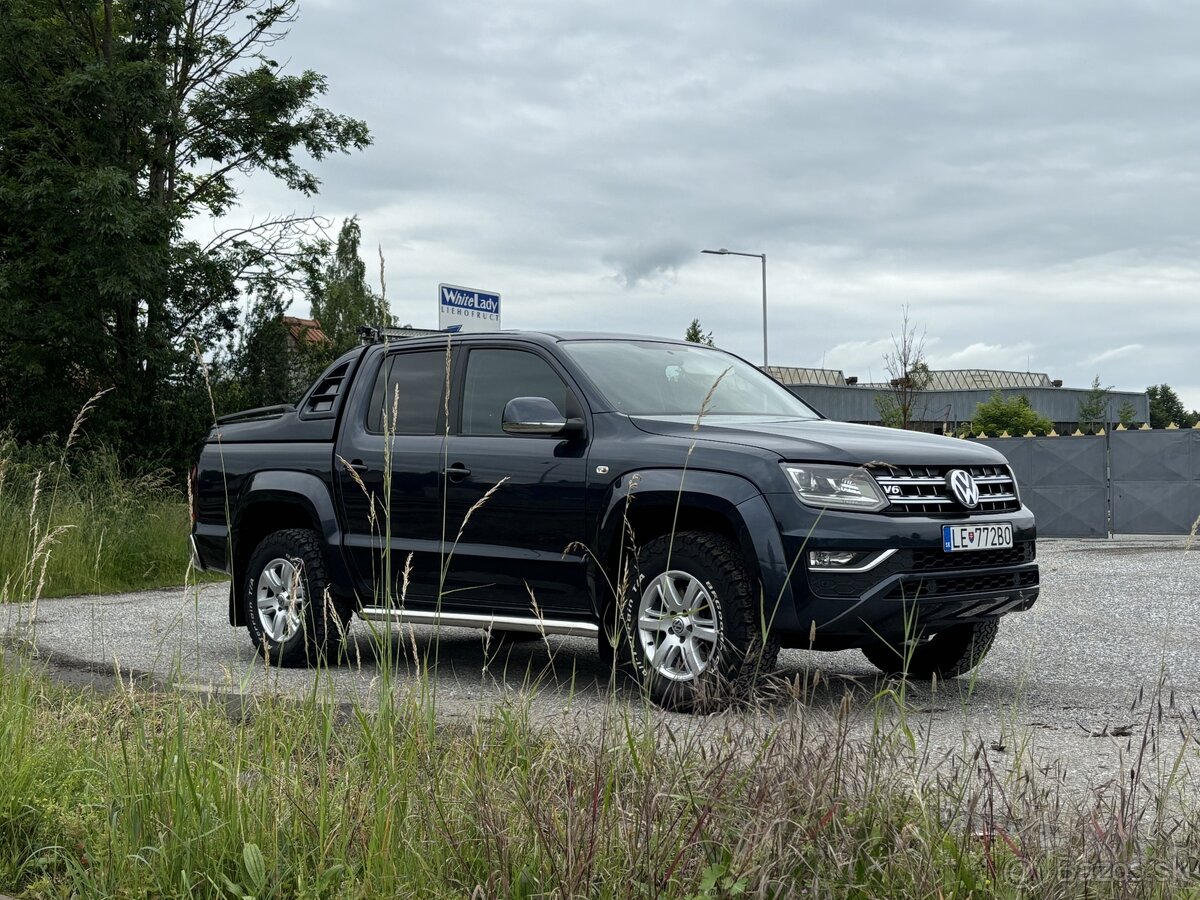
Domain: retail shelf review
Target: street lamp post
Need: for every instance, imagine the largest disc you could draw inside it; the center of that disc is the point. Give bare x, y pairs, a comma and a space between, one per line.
763, 257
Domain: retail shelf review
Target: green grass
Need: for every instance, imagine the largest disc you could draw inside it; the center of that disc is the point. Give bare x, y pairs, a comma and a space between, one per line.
161, 795
86, 529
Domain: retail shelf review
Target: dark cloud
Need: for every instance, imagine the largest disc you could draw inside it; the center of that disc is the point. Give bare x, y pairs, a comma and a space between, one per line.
649, 262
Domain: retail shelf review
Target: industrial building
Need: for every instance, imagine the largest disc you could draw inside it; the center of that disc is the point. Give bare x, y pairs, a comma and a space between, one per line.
952, 396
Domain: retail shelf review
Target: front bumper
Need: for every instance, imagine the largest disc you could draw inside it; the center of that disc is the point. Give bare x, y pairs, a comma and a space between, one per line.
918, 589
923, 590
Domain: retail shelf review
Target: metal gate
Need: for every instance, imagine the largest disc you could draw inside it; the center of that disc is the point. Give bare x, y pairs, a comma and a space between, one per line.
1125, 482
1155, 481
1062, 479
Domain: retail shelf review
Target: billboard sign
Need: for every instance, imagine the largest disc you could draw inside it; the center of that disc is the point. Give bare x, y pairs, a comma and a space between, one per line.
467, 309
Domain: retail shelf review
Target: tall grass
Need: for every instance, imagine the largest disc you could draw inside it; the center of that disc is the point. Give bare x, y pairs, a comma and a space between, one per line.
163, 795
85, 528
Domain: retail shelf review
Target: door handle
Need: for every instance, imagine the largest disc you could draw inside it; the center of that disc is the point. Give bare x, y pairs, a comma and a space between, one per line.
359, 466
456, 472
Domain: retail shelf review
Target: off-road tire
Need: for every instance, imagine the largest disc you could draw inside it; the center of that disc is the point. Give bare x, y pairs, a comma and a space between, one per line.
318, 627
725, 596
949, 653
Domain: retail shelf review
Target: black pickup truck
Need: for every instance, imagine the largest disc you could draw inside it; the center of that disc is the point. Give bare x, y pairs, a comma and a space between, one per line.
669, 499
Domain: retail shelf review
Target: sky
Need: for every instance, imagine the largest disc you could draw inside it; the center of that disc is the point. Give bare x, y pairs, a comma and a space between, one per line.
1023, 176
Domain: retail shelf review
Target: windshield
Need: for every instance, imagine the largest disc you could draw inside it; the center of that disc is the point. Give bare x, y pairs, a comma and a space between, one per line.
648, 378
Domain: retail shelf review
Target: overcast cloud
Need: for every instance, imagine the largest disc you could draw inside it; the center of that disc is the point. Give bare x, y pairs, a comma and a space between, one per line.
1024, 175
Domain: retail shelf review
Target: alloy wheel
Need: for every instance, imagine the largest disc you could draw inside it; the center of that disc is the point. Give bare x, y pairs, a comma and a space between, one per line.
281, 598
677, 626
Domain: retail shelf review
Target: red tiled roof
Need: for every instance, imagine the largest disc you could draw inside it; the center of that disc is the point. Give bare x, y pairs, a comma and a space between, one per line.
307, 329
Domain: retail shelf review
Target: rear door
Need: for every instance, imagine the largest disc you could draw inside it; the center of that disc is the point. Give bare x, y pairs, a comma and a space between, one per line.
393, 437
520, 545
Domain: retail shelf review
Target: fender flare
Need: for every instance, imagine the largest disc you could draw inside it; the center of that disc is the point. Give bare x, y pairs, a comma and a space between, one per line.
300, 489
734, 498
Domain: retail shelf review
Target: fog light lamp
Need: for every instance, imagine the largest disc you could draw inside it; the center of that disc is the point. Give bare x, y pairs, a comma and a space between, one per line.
831, 559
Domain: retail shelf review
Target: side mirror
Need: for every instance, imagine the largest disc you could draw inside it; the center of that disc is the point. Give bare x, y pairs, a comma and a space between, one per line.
537, 415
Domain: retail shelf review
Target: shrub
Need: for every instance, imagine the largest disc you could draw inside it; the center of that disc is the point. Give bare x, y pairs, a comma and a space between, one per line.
1013, 415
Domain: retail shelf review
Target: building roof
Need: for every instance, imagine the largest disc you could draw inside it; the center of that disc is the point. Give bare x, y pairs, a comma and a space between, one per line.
940, 379
800, 375
307, 330
986, 379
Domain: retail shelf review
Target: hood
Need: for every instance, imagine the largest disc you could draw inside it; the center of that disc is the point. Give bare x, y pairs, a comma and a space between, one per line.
824, 440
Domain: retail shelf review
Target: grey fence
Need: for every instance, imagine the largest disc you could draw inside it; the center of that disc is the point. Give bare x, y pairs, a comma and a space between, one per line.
1062, 479
1155, 481
1124, 482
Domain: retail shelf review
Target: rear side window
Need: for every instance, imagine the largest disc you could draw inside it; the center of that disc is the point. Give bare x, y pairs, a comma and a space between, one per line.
408, 393
496, 376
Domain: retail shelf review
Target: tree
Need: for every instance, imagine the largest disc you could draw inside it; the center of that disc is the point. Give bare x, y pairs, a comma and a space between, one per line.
1127, 414
338, 291
1093, 409
119, 123
908, 376
1166, 408
697, 335
269, 363
1013, 414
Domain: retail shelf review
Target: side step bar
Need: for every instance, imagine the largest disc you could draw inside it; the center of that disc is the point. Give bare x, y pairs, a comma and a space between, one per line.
396, 616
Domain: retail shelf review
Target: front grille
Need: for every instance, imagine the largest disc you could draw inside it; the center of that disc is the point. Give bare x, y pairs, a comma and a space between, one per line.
934, 587
939, 560
922, 490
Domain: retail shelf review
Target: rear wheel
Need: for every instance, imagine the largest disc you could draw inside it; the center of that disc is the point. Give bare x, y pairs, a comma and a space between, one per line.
948, 654
293, 618
691, 628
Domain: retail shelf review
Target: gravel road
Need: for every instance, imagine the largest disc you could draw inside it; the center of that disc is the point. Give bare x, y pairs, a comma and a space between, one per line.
1114, 618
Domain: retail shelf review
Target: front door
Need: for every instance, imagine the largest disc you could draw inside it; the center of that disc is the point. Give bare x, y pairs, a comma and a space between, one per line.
517, 547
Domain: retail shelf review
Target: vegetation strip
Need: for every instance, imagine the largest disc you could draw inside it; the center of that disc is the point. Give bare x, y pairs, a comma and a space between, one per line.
159, 794
86, 530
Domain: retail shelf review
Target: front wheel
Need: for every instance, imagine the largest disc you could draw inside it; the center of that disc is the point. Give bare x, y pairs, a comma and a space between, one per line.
692, 631
293, 618
949, 653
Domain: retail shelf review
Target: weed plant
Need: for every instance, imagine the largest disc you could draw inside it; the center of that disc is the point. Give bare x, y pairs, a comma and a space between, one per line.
139, 794
84, 528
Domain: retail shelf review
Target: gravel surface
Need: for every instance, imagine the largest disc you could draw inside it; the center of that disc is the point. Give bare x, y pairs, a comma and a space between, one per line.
1115, 617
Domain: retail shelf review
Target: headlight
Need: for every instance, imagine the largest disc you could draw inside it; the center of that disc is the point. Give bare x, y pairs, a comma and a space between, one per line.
836, 487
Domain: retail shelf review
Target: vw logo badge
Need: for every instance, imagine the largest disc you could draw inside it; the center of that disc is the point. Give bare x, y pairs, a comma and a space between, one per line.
963, 487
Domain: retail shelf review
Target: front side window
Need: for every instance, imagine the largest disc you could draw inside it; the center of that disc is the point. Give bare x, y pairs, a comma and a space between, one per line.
408, 393
496, 376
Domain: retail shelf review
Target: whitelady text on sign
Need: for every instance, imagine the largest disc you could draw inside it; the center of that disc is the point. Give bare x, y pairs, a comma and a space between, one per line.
467, 309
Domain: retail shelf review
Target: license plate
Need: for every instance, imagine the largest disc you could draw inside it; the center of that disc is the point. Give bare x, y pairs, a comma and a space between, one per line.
984, 536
